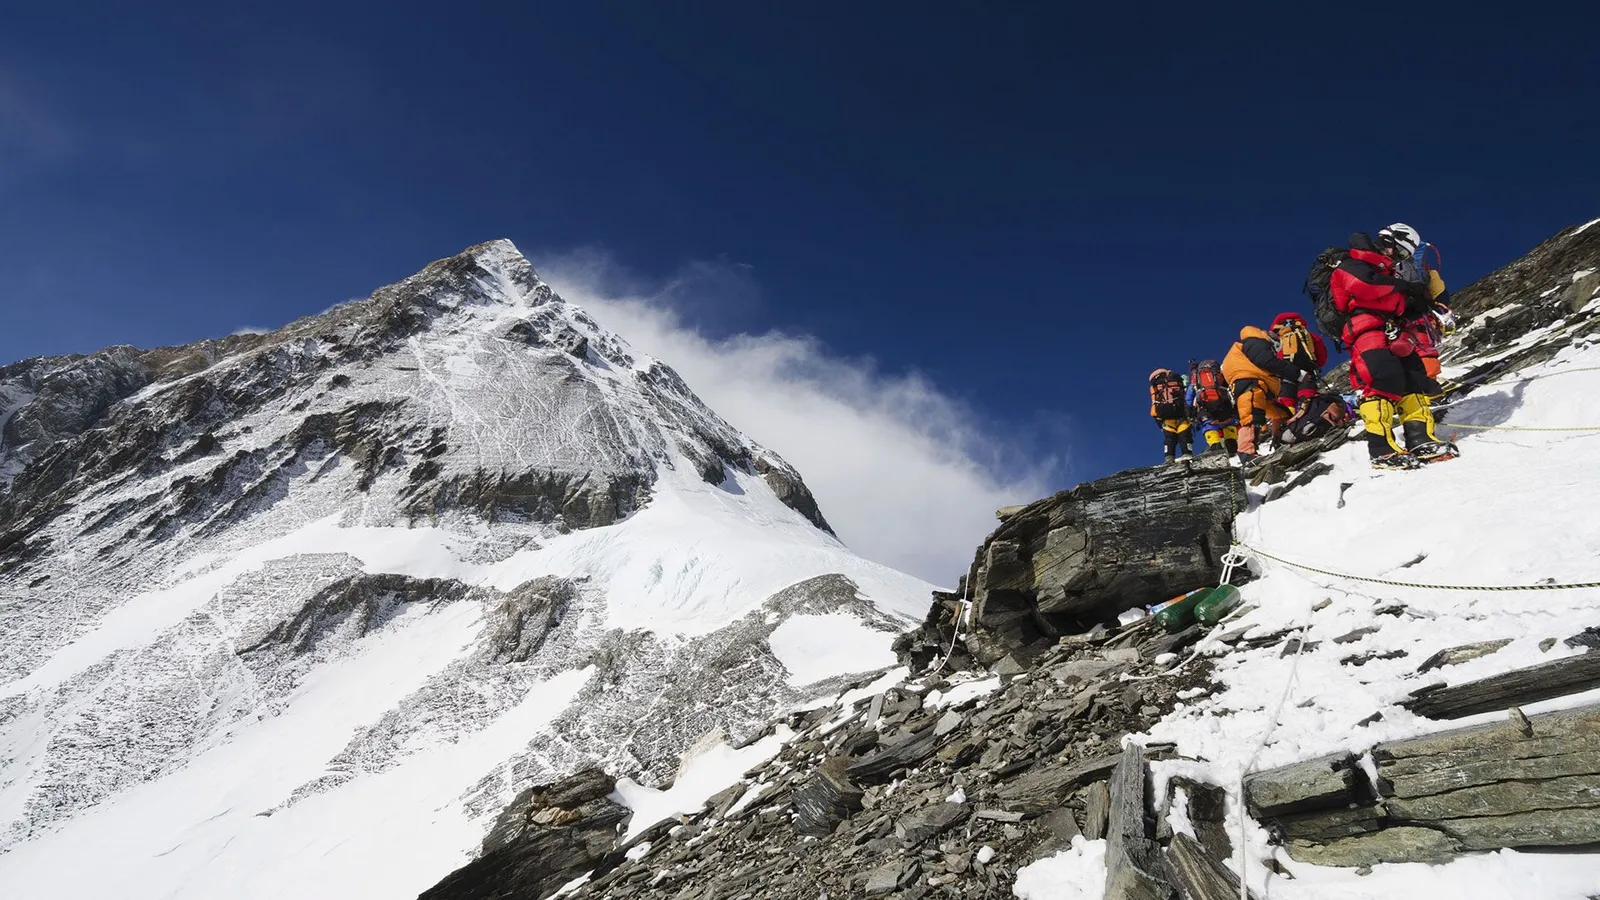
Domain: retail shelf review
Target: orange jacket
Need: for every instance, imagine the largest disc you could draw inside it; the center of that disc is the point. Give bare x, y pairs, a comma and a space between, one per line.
1255, 356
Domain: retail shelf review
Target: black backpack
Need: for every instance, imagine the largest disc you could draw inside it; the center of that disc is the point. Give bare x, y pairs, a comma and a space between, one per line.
1330, 321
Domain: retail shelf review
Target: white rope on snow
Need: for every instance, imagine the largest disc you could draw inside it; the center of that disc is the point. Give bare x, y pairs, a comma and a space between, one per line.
1272, 726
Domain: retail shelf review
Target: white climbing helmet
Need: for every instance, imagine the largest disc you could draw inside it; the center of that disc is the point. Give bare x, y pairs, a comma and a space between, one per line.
1403, 237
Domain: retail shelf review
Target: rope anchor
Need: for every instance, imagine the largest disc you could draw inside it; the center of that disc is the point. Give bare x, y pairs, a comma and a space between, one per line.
1232, 560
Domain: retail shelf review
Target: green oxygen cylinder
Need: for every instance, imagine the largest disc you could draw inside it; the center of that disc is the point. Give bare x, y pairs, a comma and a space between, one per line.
1217, 604
1178, 613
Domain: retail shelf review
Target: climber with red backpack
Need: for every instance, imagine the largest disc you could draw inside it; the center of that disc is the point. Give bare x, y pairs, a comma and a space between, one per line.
1384, 365
1170, 409
1212, 407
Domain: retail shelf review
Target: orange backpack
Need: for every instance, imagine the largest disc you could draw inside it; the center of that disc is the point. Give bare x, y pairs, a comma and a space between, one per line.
1211, 390
1166, 395
1294, 344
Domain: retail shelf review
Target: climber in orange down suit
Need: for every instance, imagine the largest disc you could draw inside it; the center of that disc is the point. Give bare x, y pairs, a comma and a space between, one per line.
1264, 386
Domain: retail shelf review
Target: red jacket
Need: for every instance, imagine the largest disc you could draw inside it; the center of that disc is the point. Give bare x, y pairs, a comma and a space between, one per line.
1365, 288
1321, 351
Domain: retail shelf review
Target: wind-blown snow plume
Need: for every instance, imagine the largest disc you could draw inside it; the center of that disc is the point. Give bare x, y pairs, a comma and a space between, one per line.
908, 474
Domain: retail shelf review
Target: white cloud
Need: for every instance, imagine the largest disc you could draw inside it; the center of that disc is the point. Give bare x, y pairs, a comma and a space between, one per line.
907, 475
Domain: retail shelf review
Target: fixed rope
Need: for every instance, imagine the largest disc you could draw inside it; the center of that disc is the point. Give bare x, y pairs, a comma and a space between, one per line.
1461, 386
1346, 576
963, 613
1516, 427
1231, 560
1250, 764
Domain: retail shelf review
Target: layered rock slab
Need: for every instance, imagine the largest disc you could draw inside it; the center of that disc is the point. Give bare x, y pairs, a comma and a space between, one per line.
1067, 562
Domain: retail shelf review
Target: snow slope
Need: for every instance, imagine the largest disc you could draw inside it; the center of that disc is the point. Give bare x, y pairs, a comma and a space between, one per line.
1516, 508
354, 584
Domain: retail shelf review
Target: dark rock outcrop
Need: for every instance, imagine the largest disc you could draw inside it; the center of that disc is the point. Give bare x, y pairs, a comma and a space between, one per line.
937, 800
828, 799
517, 625
1538, 290
1556, 678
576, 500
791, 491
1570, 250
361, 602
549, 835
1526, 781
1071, 561
1135, 868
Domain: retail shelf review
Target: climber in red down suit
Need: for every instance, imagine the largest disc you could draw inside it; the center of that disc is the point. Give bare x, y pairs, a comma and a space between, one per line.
1384, 365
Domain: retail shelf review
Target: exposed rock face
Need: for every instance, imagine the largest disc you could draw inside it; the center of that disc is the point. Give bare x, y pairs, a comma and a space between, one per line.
1571, 250
1527, 781
1135, 868
1554, 281
900, 795
1516, 688
519, 623
358, 603
794, 494
70, 423
550, 834
1070, 561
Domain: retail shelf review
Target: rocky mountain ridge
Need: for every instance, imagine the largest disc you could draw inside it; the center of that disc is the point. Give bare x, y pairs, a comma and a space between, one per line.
456, 528
1043, 741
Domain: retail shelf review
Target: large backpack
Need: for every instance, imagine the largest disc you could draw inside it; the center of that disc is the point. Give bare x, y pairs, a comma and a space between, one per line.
1294, 344
1211, 395
1330, 321
1166, 395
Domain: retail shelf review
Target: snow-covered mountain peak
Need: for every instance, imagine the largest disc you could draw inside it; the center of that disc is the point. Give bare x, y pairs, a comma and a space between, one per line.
428, 544
474, 347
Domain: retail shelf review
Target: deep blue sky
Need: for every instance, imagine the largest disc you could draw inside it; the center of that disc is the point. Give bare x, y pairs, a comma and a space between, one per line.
1034, 207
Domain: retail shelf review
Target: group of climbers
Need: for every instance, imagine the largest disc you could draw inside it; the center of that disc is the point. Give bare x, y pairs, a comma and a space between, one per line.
1381, 300
1251, 396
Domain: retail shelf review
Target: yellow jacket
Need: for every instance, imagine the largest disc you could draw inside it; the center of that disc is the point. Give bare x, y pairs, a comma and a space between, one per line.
1435, 284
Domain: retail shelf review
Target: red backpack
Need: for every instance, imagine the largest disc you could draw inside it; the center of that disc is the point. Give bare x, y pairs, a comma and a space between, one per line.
1166, 395
1211, 390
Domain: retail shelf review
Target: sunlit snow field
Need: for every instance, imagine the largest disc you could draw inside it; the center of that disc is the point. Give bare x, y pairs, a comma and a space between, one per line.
1518, 508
